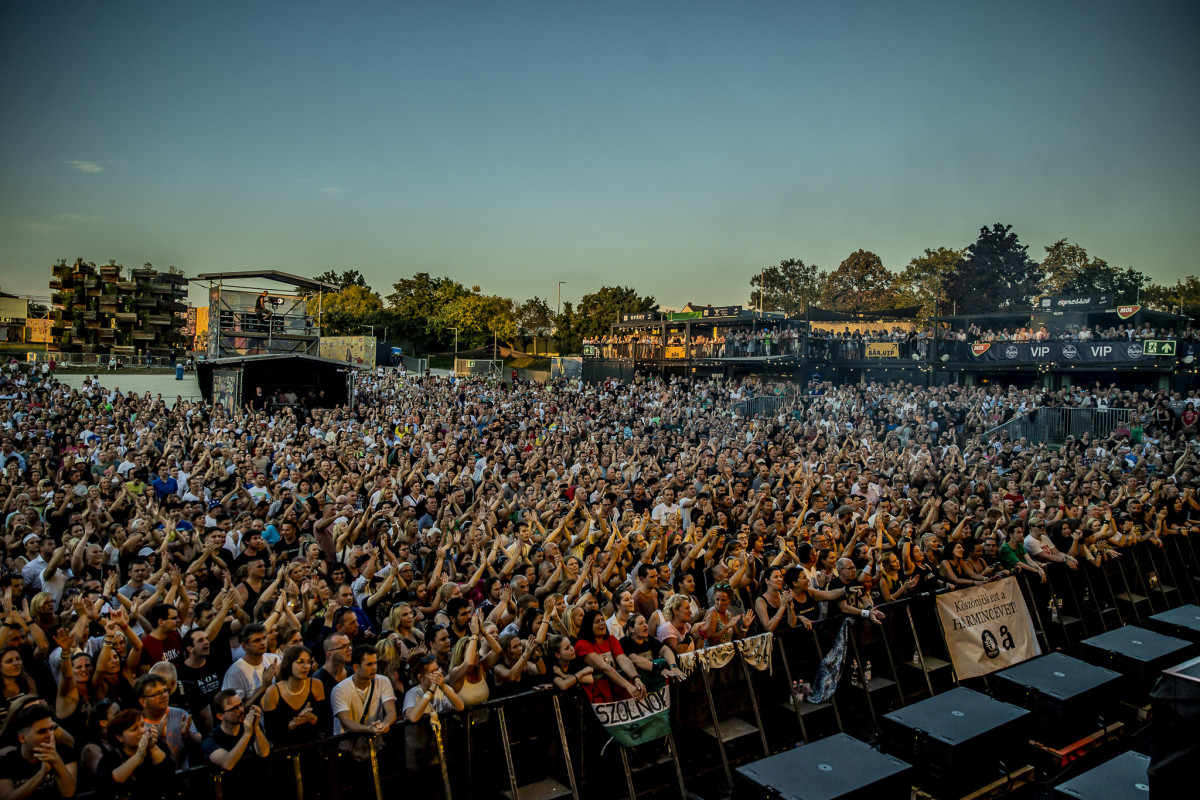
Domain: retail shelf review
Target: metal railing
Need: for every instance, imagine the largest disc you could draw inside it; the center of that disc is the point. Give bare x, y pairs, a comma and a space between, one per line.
1053, 425
763, 405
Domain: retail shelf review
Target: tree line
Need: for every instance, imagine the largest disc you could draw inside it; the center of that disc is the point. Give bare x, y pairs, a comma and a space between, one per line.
994, 273
425, 311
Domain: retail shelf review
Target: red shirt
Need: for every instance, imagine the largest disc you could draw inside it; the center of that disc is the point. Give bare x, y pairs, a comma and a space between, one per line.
156, 650
601, 689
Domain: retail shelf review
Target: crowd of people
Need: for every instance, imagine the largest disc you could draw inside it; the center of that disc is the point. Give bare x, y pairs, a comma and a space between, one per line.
187, 585
1069, 333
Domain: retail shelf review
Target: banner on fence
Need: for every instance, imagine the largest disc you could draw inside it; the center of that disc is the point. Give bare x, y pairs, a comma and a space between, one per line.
632, 722
1060, 352
883, 349
987, 628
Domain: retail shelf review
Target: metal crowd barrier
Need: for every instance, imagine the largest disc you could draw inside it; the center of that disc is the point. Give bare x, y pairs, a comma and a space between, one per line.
763, 405
1053, 424
546, 743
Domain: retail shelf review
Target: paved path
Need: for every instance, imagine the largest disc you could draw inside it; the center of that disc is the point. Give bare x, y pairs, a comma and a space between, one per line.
155, 383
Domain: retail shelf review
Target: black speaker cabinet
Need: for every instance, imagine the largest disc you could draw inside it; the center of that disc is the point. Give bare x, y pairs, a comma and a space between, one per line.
839, 767
1068, 697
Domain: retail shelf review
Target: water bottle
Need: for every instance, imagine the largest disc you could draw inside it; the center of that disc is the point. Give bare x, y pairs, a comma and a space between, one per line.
1053, 611
916, 659
854, 673
1087, 596
867, 673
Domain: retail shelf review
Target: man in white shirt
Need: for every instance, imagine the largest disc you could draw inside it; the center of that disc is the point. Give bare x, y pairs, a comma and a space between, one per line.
364, 702
251, 674
666, 508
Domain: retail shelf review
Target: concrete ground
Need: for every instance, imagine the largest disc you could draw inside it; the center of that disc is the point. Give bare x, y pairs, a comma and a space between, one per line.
155, 383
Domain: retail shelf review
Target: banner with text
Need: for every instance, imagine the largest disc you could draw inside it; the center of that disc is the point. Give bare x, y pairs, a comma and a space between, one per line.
987, 628
1061, 352
632, 722
883, 349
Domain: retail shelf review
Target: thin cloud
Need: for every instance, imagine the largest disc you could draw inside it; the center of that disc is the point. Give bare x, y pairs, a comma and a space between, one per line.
79, 218
40, 227
85, 166
332, 190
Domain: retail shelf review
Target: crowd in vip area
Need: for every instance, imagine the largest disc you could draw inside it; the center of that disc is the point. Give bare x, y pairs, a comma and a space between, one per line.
187, 585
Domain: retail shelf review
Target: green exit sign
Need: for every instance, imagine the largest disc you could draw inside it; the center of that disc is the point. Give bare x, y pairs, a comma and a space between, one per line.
1159, 347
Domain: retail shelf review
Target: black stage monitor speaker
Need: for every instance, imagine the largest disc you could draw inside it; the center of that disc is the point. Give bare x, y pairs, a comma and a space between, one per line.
960, 735
1121, 778
1067, 696
838, 767
1182, 623
1175, 727
1139, 653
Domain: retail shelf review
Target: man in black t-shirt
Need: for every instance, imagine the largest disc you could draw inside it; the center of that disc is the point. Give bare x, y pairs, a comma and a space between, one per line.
238, 746
36, 759
199, 678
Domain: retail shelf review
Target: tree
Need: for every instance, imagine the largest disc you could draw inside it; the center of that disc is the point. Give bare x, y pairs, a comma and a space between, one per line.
923, 280
342, 280
347, 312
860, 283
604, 307
568, 330
478, 318
789, 287
416, 303
996, 273
1183, 297
1068, 270
534, 317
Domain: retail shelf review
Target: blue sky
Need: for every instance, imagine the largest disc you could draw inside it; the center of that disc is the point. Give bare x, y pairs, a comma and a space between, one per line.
673, 146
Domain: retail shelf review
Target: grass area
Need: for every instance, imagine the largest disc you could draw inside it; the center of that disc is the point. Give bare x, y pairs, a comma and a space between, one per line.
532, 362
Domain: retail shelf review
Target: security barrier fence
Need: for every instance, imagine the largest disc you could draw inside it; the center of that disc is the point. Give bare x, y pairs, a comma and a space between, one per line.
763, 405
1053, 425
544, 743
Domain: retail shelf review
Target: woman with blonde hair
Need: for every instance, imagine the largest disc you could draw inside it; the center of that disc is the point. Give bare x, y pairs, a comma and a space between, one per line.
401, 620
392, 663
675, 631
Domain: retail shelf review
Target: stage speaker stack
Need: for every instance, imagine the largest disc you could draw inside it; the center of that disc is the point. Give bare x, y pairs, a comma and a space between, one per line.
1138, 653
838, 767
1068, 697
1175, 728
1120, 778
958, 738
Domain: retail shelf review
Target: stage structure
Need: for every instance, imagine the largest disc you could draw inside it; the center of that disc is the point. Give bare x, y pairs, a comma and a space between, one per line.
251, 320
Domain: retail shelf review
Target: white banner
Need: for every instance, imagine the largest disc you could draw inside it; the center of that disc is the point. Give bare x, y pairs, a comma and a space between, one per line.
987, 628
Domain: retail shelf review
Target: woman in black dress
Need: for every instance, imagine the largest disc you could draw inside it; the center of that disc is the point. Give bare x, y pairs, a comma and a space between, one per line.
295, 708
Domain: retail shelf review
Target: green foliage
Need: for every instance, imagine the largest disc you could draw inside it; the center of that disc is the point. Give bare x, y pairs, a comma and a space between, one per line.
1182, 297
344, 279
568, 330
348, 312
1069, 270
479, 318
534, 317
600, 309
789, 287
860, 283
996, 273
923, 281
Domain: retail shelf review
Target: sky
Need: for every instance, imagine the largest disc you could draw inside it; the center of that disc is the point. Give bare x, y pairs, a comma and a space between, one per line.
675, 147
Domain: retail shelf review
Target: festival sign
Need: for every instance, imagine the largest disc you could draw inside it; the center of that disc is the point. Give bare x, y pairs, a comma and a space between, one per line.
987, 628
1064, 302
883, 349
675, 351
633, 722
1102, 351
1125, 312
722, 311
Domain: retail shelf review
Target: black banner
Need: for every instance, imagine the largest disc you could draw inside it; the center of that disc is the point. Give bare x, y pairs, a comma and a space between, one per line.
1061, 352
722, 311
641, 316
1076, 302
